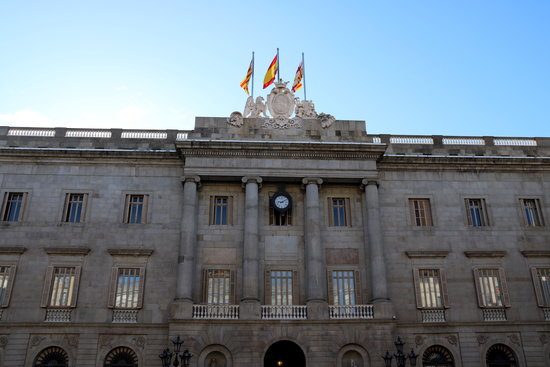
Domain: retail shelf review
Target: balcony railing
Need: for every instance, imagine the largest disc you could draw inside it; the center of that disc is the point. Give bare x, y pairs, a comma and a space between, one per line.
125, 316
58, 315
284, 312
351, 312
494, 314
218, 312
546, 312
433, 316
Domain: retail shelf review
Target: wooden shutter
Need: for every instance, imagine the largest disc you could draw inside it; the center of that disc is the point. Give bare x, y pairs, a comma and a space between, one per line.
267, 287
329, 288
416, 277
74, 297
358, 293
538, 290
469, 217
412, 213
232, 298
47, 287
347, 210
84, 208
295, 288
66, 207
205, 285
504, 286
230, 210
112, 287
126, 209
329, 216
428, 212
11, 278
478, 290
145, 210
444, 293
141, 286
4, 203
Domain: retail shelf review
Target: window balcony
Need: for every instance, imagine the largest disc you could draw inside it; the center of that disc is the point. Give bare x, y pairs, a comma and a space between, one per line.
58, 315
494, 314
125, 316
433, 316
546, 312
290, 312
216, 312
351, 312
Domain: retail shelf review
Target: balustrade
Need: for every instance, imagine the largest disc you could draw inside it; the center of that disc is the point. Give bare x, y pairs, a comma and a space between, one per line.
290, 312
219, 312
351, 312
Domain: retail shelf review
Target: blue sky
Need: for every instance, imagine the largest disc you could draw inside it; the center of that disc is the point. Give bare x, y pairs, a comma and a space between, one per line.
405, 67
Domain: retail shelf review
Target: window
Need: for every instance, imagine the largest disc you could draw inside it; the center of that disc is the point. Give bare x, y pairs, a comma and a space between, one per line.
339, 213
127, 287
430, 288
218, 286
121, 357
500, 355
532, 212
476, 212
491, 288
7, 274
280, 287
343, 287
277, 218
541, 280
75, 208
221, 210
61, 286
421, 214
13, 206
136, 209
437, 356
52, 357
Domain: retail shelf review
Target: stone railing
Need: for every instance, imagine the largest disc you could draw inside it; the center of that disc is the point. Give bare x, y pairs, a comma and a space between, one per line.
30, 131
494, 314
546, 312
141, 134
351, 312
463, 141
88, 133
94, 133
457, 140
58, 315
1, 312
270, 312
125, 316
433, 315
218, 312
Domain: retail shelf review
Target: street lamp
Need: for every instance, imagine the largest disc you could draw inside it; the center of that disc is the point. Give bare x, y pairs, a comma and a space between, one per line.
166, 355
400, 357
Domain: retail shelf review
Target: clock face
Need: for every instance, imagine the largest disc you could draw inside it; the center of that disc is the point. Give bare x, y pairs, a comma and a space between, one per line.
281, 202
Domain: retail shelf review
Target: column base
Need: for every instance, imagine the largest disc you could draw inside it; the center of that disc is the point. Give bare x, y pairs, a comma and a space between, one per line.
250, 309
181, 310
317, 310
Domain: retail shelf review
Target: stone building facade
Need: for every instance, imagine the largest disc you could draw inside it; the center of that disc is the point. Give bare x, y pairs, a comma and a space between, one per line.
267, 245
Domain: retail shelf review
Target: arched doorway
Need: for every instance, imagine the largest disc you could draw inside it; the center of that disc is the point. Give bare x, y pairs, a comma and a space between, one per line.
500, 355
284, 353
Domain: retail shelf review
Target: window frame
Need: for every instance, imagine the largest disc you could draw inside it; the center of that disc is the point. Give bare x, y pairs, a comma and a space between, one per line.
346, 211
484, 215
427, 209
67, 207
48, 286
274, 214
113, 286
12, 270
268, 288
5, 206
229, 208
538, 288
144, 210
503, 287
538, 211
442, 288
357, 285
205, 288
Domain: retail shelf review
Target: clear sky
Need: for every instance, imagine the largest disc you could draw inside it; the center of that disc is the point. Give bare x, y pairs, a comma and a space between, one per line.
450, 67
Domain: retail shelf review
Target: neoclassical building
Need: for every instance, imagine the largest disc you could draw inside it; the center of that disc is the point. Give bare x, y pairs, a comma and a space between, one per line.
272, 242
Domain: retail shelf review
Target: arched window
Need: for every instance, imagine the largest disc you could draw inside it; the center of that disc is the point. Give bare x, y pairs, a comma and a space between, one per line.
121, 357
499, 355
437, 356
52, 357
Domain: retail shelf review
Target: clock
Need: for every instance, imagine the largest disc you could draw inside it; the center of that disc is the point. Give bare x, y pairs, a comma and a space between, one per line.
281, 202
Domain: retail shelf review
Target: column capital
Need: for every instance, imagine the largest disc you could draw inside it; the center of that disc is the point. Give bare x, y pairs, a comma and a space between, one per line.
252, 179
312, 180
191, 178
369, 181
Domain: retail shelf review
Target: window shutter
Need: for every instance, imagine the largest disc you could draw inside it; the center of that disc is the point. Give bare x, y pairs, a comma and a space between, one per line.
505, 293
233, 297
77, 271
205, 285
358, 295
230, 210
411, 212
478, 291
536, 284
23, 206
4, 203
11, 278
416, 277
444, 293
126, 209
428, 212
329, 288
469, 221
267, 287
47, 287
112, 287
65, 207
211, 210
295, 288
348, 212
84, 208
484, 213
141, 286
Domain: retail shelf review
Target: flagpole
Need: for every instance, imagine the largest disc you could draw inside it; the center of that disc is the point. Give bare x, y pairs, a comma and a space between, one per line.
304, 75
278, 67
252, 74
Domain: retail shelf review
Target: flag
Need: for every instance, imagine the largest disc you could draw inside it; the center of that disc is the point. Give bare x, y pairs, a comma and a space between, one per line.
298, 78
269, 77
246, 80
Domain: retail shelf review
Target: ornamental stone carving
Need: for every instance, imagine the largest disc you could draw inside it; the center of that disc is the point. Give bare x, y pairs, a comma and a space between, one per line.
452, 339
282, 123
139, 341
514, 339
482, 339
236, 119
544, 339
254, 109
35, 340
3, 341
419, 340
326, 120
72, 340
305, 109
280, 101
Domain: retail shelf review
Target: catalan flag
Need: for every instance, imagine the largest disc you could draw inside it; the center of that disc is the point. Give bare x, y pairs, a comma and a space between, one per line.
298, 78
246, 80
271, 71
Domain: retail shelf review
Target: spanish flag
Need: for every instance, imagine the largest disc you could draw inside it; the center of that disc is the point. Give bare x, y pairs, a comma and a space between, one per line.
298, 78
271, 72
246, 80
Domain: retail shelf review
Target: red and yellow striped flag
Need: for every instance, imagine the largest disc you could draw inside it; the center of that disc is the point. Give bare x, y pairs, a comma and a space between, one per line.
271, 72
298, 78
246, 80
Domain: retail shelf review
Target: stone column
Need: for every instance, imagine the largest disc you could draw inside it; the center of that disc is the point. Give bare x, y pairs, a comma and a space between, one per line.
315, 269
186, 255
379, 285
250, 303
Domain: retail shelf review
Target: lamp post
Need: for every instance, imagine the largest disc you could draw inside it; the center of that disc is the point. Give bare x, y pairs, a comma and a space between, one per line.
400, 357
166, 355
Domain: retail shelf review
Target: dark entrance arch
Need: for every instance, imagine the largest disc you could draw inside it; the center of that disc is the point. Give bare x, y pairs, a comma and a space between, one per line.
286, 354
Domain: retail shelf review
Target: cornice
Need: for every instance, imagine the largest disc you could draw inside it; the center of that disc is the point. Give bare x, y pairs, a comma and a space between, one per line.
535, 253
485, 253
426, 254
478, 163
67, 250
17, 250
129, 252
